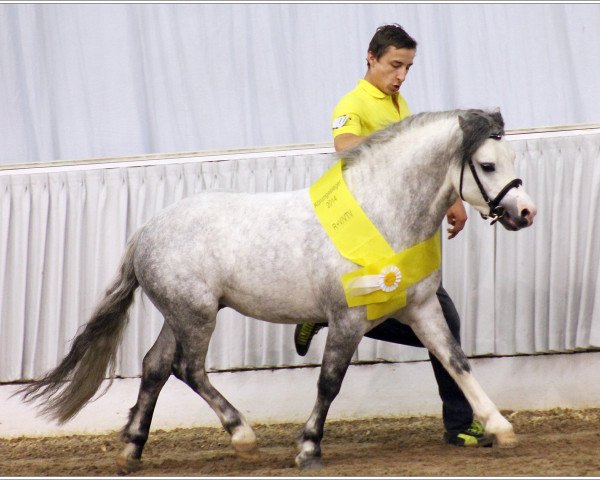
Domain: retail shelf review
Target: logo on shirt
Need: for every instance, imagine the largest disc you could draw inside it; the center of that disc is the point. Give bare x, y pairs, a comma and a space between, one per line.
340, 121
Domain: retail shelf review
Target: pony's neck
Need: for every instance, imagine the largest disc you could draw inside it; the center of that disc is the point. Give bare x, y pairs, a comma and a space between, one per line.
403, 185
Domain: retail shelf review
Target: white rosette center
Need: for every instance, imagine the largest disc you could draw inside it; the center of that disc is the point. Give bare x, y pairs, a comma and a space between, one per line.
389, 278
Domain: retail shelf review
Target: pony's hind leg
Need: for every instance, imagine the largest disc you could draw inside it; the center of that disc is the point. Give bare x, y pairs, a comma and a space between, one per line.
339, 348
157, 367
189, 366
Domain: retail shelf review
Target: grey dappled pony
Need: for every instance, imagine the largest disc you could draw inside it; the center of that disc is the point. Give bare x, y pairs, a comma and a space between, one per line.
267, 256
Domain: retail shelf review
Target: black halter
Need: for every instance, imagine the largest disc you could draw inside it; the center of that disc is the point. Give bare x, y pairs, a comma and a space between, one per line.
496, 210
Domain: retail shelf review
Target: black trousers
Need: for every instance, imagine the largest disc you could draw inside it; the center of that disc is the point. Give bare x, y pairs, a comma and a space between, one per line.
456, 411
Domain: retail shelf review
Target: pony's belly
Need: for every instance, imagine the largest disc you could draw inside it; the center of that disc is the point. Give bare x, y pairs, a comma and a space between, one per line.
274, 308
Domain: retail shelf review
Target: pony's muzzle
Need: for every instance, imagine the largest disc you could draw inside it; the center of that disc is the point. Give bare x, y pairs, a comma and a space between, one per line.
527, 212
519, 218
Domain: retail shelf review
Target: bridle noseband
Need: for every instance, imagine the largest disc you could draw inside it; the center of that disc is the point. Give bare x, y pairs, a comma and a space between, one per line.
496, 210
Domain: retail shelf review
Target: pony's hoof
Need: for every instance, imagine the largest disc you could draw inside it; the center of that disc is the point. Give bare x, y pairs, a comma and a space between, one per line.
310, 463
506, 439
243, 442
251, 454
127, 465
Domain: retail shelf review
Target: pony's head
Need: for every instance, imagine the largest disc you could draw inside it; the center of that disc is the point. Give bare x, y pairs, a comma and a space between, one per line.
486, 176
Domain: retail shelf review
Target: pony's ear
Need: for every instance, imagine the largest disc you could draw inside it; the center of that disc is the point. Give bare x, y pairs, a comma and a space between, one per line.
476, 127
473, 123
477, 120
497, 119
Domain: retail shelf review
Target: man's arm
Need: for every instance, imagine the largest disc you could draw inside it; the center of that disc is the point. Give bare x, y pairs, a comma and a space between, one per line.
346, 141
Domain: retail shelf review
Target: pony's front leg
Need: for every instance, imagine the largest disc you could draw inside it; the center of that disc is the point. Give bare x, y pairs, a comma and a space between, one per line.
428, 323
341, 344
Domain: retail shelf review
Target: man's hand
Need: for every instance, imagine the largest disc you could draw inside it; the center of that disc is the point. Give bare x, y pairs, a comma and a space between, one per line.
457, 217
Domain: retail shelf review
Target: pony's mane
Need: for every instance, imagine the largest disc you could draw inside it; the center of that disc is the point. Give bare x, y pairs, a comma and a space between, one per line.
476, 125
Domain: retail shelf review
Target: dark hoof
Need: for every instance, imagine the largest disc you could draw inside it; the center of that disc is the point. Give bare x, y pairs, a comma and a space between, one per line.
127, 465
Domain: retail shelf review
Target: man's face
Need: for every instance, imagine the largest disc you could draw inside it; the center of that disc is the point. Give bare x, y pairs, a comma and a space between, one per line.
389, 72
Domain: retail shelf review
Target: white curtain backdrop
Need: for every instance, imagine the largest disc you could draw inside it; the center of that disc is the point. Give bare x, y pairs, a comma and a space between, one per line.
63, 230
96, 80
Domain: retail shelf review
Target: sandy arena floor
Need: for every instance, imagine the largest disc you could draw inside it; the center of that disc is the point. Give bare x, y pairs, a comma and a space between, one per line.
552, 443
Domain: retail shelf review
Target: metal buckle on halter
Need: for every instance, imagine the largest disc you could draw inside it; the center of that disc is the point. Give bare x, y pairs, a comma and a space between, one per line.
497, 211
496, 214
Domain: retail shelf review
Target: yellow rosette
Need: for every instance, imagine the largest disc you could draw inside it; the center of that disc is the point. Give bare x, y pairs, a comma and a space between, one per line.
391, 277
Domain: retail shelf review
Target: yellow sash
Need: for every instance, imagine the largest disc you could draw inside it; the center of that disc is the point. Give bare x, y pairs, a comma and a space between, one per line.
382, 282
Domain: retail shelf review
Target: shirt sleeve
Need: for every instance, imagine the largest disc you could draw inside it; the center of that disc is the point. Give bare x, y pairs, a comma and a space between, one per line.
346, 123
345, 119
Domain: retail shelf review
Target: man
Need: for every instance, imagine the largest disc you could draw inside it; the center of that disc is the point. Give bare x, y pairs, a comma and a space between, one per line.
374, 104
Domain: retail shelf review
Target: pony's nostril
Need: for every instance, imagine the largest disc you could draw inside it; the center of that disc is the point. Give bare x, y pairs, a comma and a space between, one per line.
525, 213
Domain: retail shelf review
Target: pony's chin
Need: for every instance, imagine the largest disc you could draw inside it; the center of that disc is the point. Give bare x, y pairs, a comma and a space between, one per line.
509, 223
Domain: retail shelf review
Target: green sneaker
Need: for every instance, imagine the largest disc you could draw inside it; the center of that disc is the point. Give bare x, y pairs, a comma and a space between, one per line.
303, 336
474, 436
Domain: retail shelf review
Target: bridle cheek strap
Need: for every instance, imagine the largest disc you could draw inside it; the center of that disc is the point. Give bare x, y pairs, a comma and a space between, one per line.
496, 210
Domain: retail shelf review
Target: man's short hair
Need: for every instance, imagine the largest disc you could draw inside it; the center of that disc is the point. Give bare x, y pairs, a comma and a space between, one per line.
390, 36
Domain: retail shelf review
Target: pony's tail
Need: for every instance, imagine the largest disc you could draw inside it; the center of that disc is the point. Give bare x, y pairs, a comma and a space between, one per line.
74, 382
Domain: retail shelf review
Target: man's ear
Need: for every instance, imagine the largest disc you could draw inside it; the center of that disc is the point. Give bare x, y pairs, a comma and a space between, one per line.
370, 58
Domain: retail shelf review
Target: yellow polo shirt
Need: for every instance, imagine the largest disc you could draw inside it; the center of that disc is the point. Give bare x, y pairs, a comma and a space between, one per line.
365, 110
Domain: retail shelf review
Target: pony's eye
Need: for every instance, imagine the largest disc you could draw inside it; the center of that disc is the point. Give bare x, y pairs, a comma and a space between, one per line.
488, 167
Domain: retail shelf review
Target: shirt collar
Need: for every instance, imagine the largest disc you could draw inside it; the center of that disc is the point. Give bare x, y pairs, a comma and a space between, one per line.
371, 89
